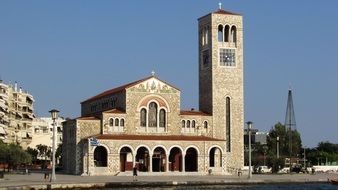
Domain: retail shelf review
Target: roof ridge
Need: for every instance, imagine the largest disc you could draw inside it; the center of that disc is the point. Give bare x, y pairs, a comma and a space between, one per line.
116, 89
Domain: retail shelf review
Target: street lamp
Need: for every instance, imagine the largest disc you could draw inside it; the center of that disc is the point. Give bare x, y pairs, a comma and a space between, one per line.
277, 147
53, 113
304, 159
249, 123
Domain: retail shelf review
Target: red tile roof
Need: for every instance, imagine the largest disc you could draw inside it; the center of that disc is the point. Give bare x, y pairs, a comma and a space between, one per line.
183, 112
87, 118
115, 90
114, 111
221, 11
122, 88
157, 137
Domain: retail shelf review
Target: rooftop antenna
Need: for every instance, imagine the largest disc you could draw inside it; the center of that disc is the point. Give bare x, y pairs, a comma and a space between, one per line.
220, 5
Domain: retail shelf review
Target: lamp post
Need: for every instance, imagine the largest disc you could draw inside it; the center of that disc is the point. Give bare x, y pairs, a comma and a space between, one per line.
277, 147
53, 113
249, 123
304, 159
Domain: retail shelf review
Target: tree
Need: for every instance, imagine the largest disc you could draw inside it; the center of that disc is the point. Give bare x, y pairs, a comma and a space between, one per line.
280, 131
58, 154
13, 155
44, 152
3, 153
34, 153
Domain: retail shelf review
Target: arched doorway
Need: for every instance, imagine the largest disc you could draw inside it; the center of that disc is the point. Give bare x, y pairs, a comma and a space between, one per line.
142, 158
215, 157
191, 160
126, 159
159, 160
175, 159
100, 156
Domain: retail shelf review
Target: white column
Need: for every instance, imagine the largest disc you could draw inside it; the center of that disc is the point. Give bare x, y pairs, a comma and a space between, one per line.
167, 163
183, 162
150, 162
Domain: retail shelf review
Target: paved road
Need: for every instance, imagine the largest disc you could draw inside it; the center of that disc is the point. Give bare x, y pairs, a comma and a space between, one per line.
16, 180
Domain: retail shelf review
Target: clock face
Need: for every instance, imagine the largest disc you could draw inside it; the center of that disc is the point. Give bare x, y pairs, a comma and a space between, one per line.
206, 58
227, 57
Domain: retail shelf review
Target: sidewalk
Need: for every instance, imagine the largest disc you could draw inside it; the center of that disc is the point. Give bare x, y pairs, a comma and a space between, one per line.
35, 180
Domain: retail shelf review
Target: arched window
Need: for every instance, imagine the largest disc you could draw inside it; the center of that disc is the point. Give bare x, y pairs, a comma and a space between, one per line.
205, 124
116, 122
233, 34
227, 124
122, 122
152, 115
143, 117
207, 35
111, 122
193, 124
226, 33
100, 156
162, 118
183, 123
202, 37
188, 124
220, 33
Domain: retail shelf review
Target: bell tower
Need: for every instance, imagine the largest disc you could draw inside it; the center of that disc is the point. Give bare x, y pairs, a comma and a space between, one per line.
221, 78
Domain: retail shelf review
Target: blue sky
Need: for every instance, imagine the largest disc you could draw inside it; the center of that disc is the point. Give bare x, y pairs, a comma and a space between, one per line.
64, 52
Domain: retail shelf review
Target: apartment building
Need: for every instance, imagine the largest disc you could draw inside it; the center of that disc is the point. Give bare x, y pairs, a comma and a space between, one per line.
16, 114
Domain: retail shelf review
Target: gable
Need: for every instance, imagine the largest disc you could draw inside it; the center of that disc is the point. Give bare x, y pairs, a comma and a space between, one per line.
153, 85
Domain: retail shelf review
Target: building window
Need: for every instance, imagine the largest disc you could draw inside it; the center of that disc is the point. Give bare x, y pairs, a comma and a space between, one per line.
233, 34
143, 117
193, 124
111, 122
220, 33
227, 124
122, 122
152, 115
183, 123
205, 125
162, 118
226, 33
227, 57
117, 122
205, 58
188, 124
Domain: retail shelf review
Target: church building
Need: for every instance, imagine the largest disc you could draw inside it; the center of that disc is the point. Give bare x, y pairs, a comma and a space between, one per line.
141, 124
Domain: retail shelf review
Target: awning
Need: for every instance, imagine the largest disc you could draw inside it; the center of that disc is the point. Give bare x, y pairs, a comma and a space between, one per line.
2, 131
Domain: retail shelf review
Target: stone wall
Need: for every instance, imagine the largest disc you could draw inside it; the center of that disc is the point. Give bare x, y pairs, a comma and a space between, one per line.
223, 81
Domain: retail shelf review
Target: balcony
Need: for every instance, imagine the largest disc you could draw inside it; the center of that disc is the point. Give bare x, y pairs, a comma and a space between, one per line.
3, 94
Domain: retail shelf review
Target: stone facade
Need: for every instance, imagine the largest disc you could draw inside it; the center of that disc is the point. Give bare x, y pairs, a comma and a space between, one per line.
141, 125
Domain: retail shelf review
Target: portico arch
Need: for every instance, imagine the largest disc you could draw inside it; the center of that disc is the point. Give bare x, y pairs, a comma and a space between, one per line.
215, 157
175, 159
126, 159
143, 158
100, 156
159, 159
191, 160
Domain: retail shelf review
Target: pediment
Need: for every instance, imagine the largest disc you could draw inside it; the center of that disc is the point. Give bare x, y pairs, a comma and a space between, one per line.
153, 85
